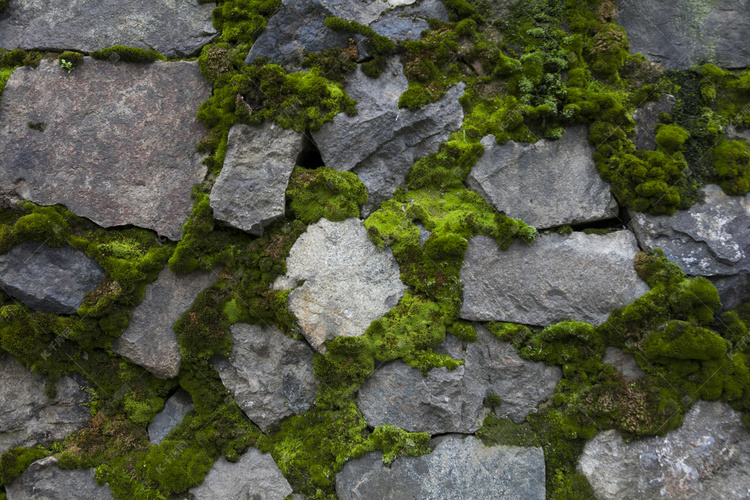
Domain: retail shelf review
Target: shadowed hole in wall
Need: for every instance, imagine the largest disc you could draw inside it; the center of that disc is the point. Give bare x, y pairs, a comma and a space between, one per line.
309, 157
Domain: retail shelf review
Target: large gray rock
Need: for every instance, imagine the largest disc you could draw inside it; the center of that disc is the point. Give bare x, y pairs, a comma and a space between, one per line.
682, 33
581, 277
175, 409
118, 145
623, 362
546, 184
733, 133
647, 117
269, 374
176, 29
28, 416
451, 401
250, 191
457, 468
381, 143
256, 475
734, 290
348, 282
150, 340
44, 480
53, 280
707, 458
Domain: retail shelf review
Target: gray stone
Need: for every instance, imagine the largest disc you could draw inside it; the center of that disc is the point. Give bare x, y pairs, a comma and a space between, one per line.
400, 28
256, 475
250, 191
682, 33
44, 480
53, 280
348, 282
451, 401
458, 468
119, 142
269, 374
172, 28
149, 340
732, 133
28, 416
546, 184
647, 117
424, 234
623, 362
734, 290
708, 458
175, 409
579, 276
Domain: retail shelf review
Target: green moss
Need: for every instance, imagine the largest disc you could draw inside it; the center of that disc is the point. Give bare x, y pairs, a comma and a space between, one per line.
395, 443
732, 164
14, 461
671, 137
681, 340
128, 54
74, 58
324, 192
379, 44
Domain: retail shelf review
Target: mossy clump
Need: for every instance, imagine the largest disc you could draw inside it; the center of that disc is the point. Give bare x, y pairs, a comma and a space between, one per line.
324, 192
128, 54
74, 58
395, 443
671, 137
732, 163
14, 461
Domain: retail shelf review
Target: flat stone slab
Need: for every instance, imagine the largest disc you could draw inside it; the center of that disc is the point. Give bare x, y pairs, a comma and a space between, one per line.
118, 145
623, 362
250, 191
149, 340
256, 475
44, 480
177, 406
546, 184
29, 417
580, 276
269, 374
348, 282
458, 467
175, 29
52, 280
707, 458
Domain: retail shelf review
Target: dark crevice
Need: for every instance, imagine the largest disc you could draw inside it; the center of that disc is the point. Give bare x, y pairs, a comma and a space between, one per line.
619, 222
309, 157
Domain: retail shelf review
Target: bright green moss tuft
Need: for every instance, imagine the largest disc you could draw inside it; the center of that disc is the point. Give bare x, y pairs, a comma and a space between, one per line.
128, 54
671, 137
324, 192
14, 461
732, 163
74, 58
395, 443
681, 340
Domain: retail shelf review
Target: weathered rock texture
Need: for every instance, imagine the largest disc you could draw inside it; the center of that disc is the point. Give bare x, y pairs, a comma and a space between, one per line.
269, 374
682, 33
381, 143
44, 480
451, 401
623, 362
546, 184
581, 277
28, 416
53, 280
175, 409
118, 145
647, 117
349, 283
707, 458
150, 340
733, 133
256, 475
176, 29
250, 191
458, 467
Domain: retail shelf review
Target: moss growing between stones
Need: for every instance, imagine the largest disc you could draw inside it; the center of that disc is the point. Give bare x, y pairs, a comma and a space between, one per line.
732, 163
324, 192
14, 461
395, 443
128, 54
74, 58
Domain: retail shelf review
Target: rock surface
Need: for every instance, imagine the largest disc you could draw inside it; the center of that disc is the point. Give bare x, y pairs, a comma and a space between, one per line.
707, 458
646, 117
150, 340
175, 409
172, 28
733, 290
581, 277
546, 184
44, 480
683, 33
458, 467
269, 374
733, 133
381, 143
349, 283
250, 191
623, 362
29, 417
256, 475
118, 145
451, 401
52, 280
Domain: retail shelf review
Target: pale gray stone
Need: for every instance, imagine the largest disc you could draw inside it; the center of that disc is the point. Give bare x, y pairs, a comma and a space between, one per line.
647, 117
44, 480
733, 133
177, 406
623, 362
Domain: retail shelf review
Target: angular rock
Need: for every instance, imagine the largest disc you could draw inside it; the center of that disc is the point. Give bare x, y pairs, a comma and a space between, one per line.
732, 133
451, 401
458, 467
683, 33
269, 374
118, 144
546, 184
250, 191
623, 362
44, 480
29, 417
381, 143
256, 475
581, 277
175, 409
400, 28
734, 290
348, 282
646, 117
174, 29
52, 280
707, 458
150, 340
